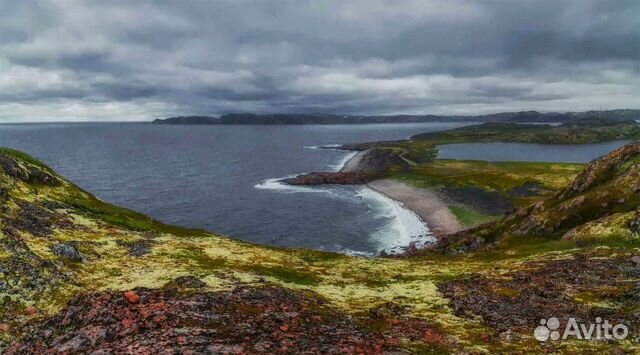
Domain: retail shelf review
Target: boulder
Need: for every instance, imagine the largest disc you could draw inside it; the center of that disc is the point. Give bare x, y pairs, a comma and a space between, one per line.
68, 251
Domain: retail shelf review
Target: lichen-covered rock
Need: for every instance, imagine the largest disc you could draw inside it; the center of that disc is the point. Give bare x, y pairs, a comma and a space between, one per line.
68, 251
33, 219
603, 169
137, 247
634, 225
26, 171
36, 220
518, 300
255, 320
186, 282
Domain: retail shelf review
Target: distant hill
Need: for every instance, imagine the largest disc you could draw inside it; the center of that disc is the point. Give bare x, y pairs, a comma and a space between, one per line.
188, 120
302, 119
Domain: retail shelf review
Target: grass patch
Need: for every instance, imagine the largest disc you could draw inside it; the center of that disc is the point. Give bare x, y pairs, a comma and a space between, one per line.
122, 217
491, 176
25, 157
470, 217
287, 275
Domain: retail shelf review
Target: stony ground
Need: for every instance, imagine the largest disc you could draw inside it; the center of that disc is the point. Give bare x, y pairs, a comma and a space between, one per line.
80, 276
584, 287
184, 318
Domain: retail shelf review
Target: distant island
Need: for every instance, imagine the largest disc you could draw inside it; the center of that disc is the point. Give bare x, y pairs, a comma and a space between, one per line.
304, 119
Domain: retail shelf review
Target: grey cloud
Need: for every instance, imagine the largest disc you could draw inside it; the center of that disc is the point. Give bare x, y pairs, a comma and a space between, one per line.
151, 58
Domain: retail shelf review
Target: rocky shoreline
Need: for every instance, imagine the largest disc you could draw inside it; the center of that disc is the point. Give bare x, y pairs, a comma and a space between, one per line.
370, 167
367, 165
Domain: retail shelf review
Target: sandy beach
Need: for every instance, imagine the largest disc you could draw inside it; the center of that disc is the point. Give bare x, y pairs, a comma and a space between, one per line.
354, 164
423, 202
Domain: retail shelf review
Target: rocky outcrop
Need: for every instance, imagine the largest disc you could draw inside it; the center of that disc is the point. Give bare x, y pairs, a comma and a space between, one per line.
247, 320
608, 185
366, 166
36, 220
27, 172
67, 251
137, 247
518, 300
331, 179
602, 170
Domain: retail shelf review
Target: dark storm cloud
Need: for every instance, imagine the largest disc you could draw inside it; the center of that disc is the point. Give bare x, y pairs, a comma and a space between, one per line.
71, 59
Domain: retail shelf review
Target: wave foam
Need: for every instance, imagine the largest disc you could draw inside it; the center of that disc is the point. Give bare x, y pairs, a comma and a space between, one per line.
339, 165
326, 146
352, 252
406, 229
278, 184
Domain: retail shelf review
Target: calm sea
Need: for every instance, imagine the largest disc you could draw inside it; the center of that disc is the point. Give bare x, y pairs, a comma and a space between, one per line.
222, 178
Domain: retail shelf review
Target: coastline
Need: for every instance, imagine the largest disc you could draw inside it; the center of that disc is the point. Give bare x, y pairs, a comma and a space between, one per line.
433, 215
425, 203
366, 168
353, 164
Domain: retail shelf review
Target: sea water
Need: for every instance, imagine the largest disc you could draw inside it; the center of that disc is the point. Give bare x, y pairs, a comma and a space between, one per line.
226, 178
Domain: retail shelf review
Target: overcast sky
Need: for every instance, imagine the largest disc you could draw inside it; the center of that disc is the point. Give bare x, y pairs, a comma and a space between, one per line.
138, 60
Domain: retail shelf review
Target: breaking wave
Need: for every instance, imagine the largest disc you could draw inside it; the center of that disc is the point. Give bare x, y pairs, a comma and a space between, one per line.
405, 228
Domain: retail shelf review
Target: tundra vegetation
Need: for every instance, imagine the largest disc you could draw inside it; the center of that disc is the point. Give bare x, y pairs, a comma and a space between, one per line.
79, 275
481, 191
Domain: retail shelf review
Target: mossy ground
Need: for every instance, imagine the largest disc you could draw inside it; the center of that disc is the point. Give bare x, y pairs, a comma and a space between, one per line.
470, 217
102, 234
508, 179
502, 177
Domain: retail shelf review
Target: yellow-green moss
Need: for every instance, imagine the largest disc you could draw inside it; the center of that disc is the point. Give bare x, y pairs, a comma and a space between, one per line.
353, 284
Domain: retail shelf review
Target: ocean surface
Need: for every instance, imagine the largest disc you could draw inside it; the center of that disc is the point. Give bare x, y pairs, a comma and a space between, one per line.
559, 153
224, 178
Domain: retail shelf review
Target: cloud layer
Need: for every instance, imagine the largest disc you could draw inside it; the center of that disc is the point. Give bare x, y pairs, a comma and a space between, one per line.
137, 60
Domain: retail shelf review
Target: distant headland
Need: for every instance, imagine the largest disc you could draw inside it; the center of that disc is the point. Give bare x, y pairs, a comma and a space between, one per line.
303, 119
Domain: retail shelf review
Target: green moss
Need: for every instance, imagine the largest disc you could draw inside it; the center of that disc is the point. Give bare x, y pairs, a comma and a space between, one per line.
25, 157
519, 248
506, 291
622, 241
122, 217
470, 217
491, 176
284, 274
199, 257
602, 297
353, 285
312, 256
